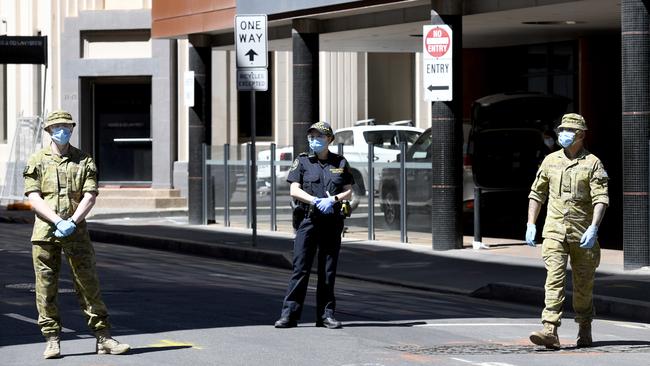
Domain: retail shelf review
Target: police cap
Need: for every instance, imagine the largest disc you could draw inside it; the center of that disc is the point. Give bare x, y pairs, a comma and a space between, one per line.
322, 127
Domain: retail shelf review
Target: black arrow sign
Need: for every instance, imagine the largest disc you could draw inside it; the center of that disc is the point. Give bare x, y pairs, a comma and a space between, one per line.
438, 87
251, 55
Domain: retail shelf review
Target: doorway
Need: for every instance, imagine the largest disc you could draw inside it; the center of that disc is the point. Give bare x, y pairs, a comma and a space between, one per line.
122, 130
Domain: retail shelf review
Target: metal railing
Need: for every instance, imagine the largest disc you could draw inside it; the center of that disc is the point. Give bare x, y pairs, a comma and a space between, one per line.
386, 191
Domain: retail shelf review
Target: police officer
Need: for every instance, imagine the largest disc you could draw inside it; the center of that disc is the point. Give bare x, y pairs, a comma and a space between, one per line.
575, 183
61, 183
320, 181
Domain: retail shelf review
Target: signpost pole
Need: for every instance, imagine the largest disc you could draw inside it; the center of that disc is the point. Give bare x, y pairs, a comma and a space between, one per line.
253, 175
251, 43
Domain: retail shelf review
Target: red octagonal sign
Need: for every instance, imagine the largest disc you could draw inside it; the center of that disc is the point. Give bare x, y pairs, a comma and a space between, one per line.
437, 42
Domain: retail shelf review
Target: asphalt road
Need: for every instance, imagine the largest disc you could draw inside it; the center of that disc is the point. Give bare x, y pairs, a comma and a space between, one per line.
185, 310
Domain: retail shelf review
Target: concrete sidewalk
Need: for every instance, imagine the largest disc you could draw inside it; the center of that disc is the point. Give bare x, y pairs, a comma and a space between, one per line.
507, 271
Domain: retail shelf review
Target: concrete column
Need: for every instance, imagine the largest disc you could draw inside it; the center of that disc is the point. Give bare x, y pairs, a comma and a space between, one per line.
305, 80
200, 55
163, 114
447, 141
635, 42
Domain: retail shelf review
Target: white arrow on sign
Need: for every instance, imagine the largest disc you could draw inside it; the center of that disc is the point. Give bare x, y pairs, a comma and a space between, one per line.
251, 41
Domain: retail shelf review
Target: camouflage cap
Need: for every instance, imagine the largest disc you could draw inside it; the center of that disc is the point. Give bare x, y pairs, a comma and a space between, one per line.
573, 120
322, 127
59, 116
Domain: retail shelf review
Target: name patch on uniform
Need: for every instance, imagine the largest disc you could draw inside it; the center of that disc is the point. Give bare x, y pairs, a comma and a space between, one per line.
336, 170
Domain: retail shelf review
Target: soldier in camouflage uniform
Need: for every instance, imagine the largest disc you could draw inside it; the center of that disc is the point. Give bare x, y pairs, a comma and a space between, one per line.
61, 183
575, 183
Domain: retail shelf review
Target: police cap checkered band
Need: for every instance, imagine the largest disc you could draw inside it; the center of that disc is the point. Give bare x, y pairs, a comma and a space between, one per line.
59, 116
573, 120
322, 127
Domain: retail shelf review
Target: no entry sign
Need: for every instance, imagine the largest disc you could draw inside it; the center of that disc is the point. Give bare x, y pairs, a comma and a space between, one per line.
437, 42
437, 62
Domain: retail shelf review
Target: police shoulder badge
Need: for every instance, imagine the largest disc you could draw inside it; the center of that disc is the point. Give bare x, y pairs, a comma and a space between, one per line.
294, 165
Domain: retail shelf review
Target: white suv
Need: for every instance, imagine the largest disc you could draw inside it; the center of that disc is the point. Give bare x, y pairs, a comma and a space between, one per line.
386, 140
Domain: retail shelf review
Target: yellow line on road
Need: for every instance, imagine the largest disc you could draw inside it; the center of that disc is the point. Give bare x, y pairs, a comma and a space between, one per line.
170, 343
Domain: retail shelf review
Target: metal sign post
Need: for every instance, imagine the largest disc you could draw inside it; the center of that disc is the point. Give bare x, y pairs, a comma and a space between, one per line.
251, 43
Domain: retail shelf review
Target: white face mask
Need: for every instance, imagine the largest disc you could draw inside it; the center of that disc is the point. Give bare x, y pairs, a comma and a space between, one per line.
566, 138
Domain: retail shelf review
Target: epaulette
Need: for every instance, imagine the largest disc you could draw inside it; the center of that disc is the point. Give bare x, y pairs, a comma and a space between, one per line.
303, 154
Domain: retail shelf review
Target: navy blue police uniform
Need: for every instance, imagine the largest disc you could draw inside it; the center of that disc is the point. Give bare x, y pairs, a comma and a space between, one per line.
317, 232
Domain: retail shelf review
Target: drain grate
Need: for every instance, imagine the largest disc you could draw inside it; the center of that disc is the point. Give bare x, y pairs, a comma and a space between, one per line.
507, 349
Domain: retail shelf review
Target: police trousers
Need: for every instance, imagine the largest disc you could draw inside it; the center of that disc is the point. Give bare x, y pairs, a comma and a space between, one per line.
583, 268
319, 234
47, 267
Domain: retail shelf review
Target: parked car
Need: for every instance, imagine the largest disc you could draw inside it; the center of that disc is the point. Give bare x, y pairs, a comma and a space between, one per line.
418, 181
506, 143
386, 140
283, 155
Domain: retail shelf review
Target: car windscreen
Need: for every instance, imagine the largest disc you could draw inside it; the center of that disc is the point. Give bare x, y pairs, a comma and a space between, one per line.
390, 139
421, 148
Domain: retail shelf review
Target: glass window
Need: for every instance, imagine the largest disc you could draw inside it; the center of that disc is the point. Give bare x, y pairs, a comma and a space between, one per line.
344, 137
390, 139
421, 149
385, 139
408, 136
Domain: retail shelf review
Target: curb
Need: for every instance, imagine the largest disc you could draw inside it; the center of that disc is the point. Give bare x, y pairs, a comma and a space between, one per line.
634, 310
257, 256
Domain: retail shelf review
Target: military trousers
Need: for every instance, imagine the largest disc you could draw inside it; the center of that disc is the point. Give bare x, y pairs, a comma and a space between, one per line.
583, 268
322, 235
47, 267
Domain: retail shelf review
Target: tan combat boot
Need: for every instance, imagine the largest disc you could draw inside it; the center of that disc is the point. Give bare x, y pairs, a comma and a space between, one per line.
584, 335
547, 337
52, 347
107, 345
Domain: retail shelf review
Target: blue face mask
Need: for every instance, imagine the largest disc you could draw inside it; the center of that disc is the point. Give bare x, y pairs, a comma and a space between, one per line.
566, 138
61, 135
318, 144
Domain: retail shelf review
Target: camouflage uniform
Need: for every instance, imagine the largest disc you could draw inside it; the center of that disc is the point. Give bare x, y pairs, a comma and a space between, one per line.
573, 188
62, 182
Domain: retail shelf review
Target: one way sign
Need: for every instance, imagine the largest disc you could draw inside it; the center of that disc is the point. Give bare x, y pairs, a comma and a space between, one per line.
251, 41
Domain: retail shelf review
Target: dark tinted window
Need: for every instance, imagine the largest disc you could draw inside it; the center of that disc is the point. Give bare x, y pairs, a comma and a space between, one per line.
421, 149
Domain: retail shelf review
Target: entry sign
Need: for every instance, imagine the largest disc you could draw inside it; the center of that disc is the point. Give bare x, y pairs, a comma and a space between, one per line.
437, 62
251, 40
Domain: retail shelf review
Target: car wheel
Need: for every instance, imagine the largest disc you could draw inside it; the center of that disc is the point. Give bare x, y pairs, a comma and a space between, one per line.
391, 209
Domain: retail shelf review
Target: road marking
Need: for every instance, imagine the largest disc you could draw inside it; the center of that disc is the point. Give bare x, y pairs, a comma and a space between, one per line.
476, 325
631, 326
170, 343
482, 363
32, 321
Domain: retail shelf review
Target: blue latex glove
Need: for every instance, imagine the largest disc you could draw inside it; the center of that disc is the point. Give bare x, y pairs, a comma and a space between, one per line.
589, 237
531, 231
325, 205
64, 228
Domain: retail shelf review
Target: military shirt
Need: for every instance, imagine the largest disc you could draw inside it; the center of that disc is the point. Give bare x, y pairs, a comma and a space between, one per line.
572, 188
62, 182
317, 177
